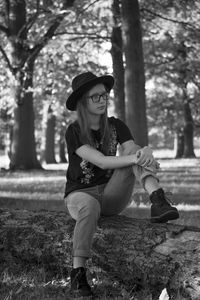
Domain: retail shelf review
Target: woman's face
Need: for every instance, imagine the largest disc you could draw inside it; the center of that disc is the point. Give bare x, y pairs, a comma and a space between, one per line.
97, 100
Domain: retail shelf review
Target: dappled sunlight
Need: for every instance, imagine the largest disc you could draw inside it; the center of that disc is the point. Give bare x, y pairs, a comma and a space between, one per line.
179, 163
30, 179
182, 206
59, 166
31, 196
167, 153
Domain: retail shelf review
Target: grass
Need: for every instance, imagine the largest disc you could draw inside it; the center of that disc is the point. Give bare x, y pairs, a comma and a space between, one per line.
44, 190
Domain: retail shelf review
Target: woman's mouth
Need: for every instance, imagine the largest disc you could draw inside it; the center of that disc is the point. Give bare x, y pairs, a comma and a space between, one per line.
101, 107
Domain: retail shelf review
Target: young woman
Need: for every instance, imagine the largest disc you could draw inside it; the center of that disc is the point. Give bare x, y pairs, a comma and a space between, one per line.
98, 181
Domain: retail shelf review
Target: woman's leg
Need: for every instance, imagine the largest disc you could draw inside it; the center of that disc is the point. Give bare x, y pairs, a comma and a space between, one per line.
118, 191
85, 209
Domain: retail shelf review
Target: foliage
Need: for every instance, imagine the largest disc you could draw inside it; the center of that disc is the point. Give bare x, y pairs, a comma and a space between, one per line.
170, 30
58, 61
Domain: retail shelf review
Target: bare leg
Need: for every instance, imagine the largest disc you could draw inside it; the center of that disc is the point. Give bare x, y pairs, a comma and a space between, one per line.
79, 262
151, 184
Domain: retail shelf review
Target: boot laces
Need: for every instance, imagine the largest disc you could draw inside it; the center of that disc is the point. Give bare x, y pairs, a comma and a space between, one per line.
168, 197
81, 275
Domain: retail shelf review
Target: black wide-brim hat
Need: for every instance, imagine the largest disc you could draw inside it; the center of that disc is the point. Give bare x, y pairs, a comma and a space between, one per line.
83, 83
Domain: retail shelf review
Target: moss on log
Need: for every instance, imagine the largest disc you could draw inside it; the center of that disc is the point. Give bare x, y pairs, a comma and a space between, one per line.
134, 252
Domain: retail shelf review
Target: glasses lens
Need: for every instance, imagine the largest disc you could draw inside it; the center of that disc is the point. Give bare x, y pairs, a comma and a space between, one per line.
96, 98
105, 96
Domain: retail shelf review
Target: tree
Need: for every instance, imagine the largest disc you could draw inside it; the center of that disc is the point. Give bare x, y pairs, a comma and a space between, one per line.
134, 71
188, 119
18, 20
171, 49
50, 137
117, 59
141, 257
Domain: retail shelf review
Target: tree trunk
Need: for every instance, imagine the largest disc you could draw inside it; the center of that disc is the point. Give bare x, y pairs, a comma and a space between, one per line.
20, 62
50, 138
134, 253
183, 81
23, 146
134, 72
117, 60
179, 144
62, 147
188, 132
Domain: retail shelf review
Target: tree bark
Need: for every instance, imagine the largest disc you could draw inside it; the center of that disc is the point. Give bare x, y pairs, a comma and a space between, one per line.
188, 119
50, 138
133, 252
62, 145
117, 61
23, 147
179, 144
134, 72
188, 132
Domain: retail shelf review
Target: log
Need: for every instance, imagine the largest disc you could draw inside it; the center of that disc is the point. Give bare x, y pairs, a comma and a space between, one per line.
137, 254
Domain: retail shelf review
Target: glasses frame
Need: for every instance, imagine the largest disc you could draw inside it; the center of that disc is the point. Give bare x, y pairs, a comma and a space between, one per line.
104, 96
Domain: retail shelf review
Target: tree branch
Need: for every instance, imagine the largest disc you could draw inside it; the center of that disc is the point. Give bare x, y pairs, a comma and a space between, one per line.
4, 29
83, 35
7, 5
91, 4
50, 32
34, 18
47, 36
169, 19
7, 60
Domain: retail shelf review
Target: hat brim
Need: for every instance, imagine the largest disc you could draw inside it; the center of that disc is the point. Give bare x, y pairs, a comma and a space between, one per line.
72, 100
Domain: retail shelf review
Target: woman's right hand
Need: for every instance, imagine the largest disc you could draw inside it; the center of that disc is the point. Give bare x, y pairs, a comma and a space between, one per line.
145, 159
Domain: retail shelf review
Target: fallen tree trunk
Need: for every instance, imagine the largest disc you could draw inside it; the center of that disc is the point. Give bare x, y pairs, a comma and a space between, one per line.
133, 252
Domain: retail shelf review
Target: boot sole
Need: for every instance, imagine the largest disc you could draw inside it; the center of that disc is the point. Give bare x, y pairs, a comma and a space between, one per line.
170, 215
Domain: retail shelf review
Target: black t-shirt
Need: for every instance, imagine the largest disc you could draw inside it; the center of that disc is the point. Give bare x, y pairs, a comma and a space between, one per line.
81, 173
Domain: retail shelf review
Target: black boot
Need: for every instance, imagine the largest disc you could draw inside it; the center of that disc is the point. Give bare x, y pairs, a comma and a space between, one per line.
79, 284
161, 210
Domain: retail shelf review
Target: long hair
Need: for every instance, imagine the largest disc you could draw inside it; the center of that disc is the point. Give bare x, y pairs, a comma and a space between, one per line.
86, 134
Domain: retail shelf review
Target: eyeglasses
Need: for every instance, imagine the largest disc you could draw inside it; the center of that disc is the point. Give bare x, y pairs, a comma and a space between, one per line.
97, 97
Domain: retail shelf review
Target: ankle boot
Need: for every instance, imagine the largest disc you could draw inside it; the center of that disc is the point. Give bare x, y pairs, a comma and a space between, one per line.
79, 284
161, 209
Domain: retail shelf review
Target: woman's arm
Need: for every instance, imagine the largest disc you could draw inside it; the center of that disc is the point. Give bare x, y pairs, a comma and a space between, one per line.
144, 155
105, 162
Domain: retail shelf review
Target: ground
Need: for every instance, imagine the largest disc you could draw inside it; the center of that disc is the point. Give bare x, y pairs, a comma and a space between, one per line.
37, 190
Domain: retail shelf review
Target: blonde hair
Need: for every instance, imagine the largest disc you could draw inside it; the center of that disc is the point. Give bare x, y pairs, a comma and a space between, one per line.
86, 133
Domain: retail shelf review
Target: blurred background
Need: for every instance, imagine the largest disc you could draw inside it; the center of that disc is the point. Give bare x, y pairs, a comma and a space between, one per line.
151, 48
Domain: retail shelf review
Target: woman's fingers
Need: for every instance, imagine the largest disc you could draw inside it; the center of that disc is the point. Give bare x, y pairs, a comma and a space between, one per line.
145, 160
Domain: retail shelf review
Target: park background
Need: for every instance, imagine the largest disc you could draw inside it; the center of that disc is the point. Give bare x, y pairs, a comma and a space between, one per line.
151, 48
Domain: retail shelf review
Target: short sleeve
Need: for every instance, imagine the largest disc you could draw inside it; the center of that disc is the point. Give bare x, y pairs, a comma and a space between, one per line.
123, 132
72, 137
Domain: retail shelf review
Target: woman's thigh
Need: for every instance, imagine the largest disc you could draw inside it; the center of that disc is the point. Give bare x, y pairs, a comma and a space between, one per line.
118, 191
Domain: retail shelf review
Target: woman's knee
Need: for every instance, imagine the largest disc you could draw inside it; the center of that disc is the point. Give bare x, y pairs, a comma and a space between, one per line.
91, 207
79, 203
